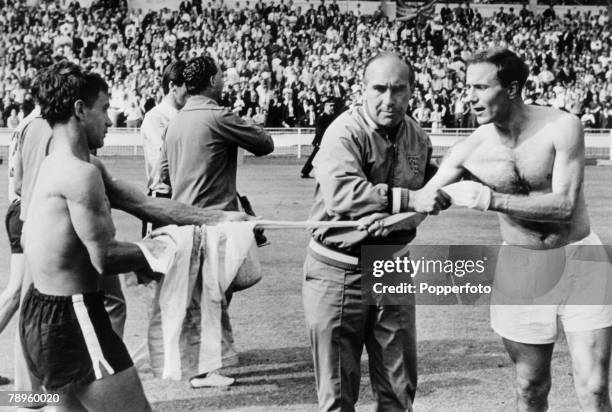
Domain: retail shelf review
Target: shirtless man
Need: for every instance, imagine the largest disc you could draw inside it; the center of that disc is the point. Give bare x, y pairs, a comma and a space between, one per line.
69, 242
530, 162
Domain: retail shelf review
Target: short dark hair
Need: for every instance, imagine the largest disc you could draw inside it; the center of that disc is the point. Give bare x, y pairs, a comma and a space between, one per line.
384, 55
61, 85
173, 73
510, 67
197, 73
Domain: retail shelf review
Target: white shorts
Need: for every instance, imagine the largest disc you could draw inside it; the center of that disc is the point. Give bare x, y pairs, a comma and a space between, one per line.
534, 289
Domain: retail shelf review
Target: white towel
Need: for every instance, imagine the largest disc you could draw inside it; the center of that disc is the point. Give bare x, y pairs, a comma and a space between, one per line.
177, 252
171, 251
226, 248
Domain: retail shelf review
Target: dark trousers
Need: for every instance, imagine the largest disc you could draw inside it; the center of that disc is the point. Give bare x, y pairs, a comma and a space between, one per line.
308, 165
340, 324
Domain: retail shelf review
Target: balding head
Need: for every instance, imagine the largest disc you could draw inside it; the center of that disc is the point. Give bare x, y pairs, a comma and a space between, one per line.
387, 87
386, 59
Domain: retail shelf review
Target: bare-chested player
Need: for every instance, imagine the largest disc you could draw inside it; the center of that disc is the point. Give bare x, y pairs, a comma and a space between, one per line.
69, 241
530, 161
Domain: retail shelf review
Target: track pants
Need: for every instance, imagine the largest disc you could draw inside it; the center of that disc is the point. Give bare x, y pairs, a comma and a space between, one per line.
339, 325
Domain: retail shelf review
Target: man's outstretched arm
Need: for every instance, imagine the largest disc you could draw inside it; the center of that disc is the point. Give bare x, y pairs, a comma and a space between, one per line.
427, 199
125, 196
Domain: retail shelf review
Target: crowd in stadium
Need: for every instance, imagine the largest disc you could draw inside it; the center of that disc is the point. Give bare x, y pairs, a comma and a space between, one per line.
282, 62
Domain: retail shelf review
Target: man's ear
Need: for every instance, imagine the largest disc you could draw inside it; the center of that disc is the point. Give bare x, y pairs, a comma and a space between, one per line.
173, 86
513, 90
79, 109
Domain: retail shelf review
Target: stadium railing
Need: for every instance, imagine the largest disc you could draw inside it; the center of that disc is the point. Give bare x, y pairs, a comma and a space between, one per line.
296, 142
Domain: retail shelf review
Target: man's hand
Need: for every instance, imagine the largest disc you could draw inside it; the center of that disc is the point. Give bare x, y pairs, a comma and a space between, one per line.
147, 276
374, 224
427, 200
469, 194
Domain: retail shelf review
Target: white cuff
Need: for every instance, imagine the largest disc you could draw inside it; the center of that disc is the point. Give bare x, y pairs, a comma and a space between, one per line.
396, 198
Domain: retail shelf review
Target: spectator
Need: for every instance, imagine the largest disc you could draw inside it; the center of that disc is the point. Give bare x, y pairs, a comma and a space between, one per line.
13, 120
133, 115
587, 119
266, 50
260, 116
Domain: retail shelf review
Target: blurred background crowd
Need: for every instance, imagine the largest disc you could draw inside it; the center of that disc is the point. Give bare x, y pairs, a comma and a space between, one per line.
282, 62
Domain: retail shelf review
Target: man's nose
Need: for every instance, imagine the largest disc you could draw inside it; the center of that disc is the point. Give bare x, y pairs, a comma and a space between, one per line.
471, 95
387, 97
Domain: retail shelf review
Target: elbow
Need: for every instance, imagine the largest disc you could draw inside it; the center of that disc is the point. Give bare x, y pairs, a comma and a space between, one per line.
102, 266
566, 211
265, 149
103, 263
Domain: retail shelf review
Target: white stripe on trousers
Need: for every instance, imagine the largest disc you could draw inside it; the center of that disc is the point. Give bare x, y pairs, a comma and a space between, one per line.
91, 339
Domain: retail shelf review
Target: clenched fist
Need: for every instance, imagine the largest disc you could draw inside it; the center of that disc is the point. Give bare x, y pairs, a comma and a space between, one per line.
429, 201
469, 194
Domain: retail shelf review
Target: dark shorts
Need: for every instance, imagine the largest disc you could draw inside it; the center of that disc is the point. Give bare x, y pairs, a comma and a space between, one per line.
68, 341
147, 227
14, 225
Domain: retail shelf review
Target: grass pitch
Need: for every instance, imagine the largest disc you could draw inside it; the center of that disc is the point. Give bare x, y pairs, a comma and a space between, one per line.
462, 364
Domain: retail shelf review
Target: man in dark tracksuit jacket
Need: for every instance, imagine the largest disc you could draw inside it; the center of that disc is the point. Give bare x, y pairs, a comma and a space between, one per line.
323, 123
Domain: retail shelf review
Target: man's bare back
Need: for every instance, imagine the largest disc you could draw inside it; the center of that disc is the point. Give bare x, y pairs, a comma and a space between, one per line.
526, 166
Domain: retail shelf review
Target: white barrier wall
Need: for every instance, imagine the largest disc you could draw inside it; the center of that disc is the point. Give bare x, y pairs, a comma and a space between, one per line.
488, 10
366, 7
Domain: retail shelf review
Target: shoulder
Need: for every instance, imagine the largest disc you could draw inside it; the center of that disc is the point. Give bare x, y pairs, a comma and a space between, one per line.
97, 163
38, 128
80, 181
222, 113
566, 121
67, 174
560, 125
567, 132
224, 117
154, 113
33, 125
415, 129
348, 123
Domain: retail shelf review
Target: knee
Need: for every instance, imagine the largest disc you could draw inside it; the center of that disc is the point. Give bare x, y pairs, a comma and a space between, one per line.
592, 391
533, 390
